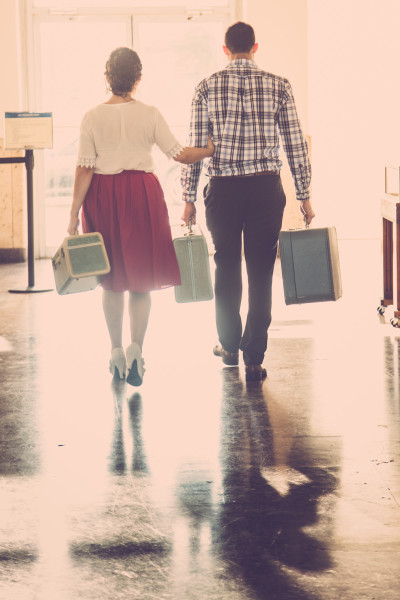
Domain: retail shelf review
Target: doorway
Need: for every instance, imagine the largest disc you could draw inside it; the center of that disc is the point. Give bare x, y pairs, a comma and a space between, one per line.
70, 56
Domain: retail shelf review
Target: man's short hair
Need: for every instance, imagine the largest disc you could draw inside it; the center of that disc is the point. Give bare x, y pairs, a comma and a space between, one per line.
239, 38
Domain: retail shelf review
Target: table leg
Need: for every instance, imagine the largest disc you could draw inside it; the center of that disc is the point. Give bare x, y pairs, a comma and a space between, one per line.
388, 262
397, 263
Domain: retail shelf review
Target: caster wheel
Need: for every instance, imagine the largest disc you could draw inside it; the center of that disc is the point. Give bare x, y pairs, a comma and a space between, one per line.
381, 310
395, 323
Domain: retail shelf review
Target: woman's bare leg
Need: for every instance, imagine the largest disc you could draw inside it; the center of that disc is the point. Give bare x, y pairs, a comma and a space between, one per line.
113, 307
139, 312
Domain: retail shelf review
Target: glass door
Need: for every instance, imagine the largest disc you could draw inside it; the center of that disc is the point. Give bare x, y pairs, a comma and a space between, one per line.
71, 55
177, 54
177, 51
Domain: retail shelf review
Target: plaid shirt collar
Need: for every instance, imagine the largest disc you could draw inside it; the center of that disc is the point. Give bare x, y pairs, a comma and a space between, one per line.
241, 62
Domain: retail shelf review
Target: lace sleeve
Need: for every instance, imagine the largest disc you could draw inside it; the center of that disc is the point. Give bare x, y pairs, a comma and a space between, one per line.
86, 155
90, 163
174, 150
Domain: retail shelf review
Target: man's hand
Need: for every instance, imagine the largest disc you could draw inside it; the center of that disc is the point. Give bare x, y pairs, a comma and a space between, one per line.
307, 211
189, 212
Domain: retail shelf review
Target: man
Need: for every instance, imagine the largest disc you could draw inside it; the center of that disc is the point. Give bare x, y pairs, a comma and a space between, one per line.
244, 110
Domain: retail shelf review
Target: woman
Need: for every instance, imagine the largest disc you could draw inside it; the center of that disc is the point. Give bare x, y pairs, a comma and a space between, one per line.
122, 199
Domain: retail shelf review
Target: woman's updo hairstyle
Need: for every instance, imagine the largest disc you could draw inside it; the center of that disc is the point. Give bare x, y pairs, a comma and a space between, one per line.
123, 70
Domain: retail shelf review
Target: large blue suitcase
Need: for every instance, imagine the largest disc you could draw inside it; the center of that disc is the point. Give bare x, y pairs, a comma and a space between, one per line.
310, 265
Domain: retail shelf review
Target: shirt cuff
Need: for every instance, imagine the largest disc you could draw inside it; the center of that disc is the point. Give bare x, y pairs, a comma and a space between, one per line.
302, 196
189, 197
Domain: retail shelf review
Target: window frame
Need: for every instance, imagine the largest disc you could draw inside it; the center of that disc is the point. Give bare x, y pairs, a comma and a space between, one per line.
133, 16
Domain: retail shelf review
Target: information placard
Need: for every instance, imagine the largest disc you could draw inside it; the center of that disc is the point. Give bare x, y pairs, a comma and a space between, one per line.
25, 130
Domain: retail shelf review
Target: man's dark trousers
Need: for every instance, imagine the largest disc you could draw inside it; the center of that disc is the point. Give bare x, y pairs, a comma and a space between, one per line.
252, 207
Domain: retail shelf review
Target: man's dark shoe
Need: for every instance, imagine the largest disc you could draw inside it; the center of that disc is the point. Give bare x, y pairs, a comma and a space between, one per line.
255, 373
228, 358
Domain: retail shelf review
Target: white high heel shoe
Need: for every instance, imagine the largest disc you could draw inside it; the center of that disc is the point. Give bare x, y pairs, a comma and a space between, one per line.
135, 365
118, 363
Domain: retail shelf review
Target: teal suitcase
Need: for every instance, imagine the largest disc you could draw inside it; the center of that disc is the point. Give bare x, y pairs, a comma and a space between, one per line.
194, 265
310, 265
80, 263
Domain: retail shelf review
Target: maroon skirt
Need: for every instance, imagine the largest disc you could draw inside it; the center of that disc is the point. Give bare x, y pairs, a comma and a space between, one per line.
130, 212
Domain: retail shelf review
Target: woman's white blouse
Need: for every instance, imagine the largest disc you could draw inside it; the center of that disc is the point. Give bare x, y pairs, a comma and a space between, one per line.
120, 137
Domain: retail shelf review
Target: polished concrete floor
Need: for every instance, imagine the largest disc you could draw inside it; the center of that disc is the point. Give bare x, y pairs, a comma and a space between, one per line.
197, 485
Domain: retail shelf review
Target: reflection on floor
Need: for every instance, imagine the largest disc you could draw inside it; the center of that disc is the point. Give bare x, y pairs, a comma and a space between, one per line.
198, 485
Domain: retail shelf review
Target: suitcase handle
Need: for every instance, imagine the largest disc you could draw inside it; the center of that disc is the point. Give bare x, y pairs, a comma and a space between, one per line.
56, 260
306, 226
190, 230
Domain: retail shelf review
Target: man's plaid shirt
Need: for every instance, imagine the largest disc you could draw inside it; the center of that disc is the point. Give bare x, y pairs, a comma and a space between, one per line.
245, 109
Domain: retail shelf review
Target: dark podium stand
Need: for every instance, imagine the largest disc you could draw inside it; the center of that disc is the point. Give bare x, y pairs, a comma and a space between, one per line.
28, 160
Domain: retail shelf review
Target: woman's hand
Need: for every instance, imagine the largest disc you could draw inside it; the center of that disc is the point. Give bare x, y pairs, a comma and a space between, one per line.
193, 154
73, 225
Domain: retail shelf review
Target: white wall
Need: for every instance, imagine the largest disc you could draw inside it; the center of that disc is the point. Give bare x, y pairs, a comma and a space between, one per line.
281, 31
342, 58
354, 116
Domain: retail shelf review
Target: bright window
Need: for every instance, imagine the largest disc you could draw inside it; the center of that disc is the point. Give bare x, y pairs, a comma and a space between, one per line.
203, 4
177, 51
71, 70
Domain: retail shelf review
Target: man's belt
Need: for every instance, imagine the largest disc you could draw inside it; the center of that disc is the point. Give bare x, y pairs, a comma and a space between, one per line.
256, 174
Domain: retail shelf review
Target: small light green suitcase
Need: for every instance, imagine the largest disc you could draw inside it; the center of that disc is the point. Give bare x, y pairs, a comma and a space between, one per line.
80, 263
194, 265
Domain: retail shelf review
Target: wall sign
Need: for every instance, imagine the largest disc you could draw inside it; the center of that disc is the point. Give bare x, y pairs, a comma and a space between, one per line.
25, 130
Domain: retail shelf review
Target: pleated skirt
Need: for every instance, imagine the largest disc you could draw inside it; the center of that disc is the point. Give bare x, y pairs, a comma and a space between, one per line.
130, 212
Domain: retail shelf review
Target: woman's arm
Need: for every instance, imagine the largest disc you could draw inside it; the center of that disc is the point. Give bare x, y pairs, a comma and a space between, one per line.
83, 178
191, 154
